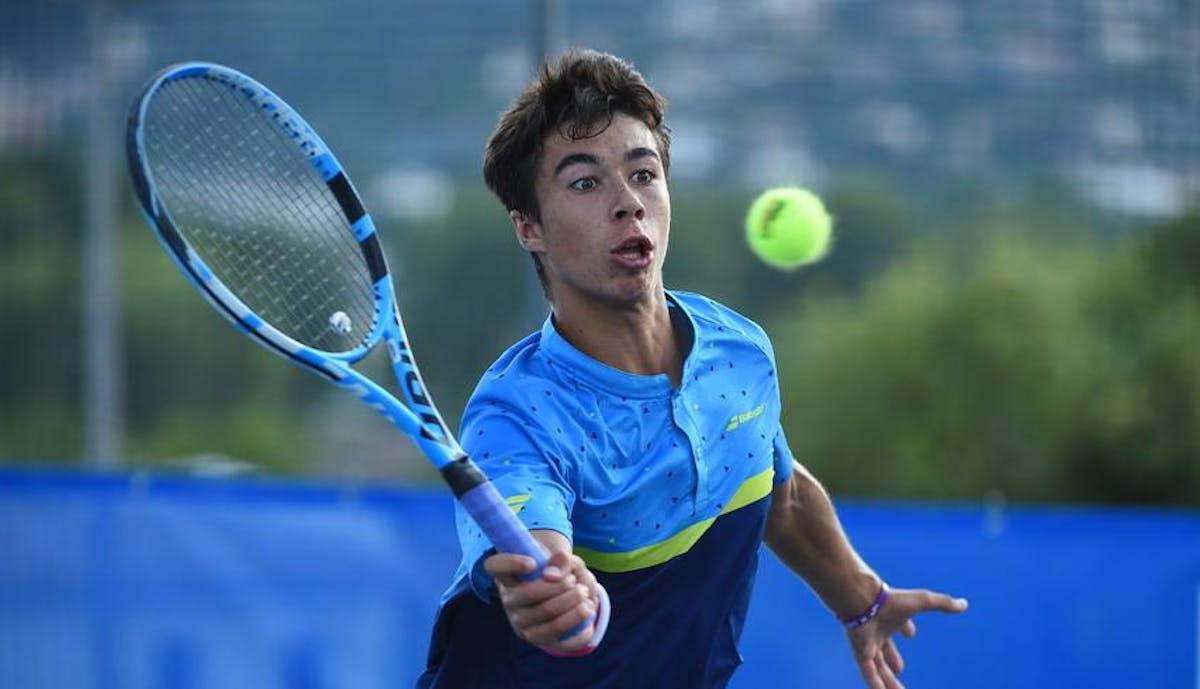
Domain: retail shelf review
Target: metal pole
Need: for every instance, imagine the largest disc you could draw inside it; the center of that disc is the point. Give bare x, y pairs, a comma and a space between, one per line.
103, 406
549, 30
549, 39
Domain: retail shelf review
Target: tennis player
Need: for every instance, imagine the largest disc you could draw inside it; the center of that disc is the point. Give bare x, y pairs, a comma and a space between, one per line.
637, 434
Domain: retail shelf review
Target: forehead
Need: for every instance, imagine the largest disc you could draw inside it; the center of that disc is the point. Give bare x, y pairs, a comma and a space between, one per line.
624, 134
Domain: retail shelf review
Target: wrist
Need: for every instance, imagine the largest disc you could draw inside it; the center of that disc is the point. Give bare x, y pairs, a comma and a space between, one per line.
856, 621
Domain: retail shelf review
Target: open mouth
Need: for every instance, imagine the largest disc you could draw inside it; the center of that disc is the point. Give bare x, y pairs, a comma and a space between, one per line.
634, 248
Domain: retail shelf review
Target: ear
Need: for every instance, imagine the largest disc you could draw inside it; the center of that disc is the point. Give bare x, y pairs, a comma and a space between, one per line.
528, 231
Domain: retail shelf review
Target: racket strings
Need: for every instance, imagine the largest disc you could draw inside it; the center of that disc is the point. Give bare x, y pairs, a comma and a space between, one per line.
249, 202
294, 187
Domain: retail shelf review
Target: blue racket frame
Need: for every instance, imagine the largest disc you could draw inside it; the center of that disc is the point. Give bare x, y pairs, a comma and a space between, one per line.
419, 419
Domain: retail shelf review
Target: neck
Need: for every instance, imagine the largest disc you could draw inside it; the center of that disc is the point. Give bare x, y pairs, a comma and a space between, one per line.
638, 338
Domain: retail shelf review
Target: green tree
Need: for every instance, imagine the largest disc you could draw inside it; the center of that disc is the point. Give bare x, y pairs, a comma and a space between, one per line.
1045, 368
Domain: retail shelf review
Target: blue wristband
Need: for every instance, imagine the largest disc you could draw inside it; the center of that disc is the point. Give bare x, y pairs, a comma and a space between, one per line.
871, 612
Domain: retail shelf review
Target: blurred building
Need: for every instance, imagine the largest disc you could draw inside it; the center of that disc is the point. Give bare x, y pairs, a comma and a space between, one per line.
1101, 97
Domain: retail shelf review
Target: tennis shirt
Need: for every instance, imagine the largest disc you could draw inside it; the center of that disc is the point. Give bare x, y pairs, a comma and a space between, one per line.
662, 491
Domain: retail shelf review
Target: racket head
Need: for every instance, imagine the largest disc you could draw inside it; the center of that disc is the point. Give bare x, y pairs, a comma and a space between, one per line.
258, 213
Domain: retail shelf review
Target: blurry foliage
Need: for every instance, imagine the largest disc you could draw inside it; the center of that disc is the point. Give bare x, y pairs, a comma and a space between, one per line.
1018, 350
39, 308
193, 383
1040, 366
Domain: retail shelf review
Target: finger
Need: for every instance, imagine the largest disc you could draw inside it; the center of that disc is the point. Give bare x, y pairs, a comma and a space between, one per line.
528, 594
549, 632
891, 654
579, 568
940, 602
574, 643
908, 629
866, 665
554, 607
886, 674
580, 572
557, 566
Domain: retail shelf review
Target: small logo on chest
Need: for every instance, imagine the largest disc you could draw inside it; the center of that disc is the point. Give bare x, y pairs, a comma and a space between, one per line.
739, 419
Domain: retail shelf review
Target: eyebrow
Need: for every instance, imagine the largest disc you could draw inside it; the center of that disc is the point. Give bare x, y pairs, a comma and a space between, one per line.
589, 159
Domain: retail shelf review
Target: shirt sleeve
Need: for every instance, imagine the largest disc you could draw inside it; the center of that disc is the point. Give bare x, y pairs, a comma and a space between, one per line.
784, 458
513, 452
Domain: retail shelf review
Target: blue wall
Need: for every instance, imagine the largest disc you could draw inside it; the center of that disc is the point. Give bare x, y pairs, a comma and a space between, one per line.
163, 583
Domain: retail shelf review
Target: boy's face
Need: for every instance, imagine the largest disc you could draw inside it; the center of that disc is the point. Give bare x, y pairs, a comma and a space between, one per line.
605, 216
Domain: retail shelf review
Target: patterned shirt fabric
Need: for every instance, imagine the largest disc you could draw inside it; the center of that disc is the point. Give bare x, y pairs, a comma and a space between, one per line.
662, 490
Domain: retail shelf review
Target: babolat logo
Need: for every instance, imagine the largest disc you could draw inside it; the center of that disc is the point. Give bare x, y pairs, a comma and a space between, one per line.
517, 502
739, 419
432, 427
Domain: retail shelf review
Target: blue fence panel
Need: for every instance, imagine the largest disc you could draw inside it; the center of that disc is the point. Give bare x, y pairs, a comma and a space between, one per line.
115, 583
119, 582
1060, 597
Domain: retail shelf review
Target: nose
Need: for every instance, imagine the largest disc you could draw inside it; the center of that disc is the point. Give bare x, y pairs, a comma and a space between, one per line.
628, 204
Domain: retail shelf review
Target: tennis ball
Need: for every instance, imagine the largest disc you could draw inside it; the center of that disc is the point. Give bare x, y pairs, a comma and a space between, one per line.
788, 227
339, 323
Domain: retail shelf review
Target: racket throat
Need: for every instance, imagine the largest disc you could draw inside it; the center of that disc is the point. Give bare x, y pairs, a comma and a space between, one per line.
462, 475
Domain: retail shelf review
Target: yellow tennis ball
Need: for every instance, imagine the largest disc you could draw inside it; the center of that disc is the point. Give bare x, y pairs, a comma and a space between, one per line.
788, 227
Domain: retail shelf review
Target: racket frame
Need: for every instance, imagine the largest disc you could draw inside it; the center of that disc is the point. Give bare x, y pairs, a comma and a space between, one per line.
419, 419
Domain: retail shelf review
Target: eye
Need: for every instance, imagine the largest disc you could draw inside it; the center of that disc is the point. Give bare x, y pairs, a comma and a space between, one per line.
643, 176
583, 184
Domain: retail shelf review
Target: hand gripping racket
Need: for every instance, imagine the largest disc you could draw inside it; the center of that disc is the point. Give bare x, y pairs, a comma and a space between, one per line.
262, 220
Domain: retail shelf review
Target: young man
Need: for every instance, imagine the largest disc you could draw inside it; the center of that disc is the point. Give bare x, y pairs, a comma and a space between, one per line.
637, 434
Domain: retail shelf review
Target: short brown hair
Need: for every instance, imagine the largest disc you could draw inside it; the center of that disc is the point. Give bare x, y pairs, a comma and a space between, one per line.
577, 97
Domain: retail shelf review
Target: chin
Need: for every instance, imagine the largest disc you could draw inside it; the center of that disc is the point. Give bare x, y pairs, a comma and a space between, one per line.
633, 294
617, 291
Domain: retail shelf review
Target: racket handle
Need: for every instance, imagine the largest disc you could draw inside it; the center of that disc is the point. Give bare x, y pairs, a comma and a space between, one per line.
501, 526
497, 521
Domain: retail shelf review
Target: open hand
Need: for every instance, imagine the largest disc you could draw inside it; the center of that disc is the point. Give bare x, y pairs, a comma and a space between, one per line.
874, 648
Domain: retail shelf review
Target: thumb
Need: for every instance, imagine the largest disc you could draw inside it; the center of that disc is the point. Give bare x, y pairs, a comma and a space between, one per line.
508, 565
930, 601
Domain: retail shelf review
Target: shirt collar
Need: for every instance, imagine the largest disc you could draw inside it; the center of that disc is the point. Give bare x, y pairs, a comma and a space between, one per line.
597, 374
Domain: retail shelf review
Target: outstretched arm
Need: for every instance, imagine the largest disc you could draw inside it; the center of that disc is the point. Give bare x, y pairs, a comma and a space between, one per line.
804, 532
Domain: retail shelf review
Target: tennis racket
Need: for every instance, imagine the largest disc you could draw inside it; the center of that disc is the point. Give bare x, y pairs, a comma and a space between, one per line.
261, 218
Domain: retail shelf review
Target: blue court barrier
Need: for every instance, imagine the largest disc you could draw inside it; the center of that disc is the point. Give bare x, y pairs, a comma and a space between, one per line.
140, 582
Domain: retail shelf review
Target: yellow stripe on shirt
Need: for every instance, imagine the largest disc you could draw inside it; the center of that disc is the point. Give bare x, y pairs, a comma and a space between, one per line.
517, 502
754, 489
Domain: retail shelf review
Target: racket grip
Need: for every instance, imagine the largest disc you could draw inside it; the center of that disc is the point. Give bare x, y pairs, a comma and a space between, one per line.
497, 521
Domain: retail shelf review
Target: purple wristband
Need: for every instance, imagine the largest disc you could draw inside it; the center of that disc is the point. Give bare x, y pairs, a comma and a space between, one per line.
860, 620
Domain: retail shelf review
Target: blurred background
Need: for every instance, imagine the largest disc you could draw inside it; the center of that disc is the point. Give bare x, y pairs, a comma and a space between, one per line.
996, 372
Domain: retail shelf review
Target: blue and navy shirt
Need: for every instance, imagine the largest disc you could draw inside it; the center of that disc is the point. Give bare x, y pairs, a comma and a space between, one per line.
663, 492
